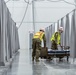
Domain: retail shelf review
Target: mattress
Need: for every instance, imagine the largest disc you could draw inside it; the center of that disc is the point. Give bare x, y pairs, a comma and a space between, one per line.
58, 51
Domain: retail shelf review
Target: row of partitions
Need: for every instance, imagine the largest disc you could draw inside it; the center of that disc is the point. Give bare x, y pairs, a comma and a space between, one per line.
68, 37
9, 41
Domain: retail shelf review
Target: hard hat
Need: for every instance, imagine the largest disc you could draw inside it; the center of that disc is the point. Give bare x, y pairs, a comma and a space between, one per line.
42, 29
60, 28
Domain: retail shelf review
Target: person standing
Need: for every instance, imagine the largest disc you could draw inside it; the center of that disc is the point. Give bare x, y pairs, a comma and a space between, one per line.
36, 44
56, 39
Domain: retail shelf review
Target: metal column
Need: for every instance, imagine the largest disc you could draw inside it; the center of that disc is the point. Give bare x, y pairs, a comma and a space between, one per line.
33, 16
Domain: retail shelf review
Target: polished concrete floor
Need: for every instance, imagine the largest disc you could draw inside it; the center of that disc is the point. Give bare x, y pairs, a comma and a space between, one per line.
22, 65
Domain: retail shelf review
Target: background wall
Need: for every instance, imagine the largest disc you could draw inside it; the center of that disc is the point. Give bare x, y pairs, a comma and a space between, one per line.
45, 13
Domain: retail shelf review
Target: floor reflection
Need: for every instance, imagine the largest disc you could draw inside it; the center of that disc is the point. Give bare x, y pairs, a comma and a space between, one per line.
13, 69
22, 65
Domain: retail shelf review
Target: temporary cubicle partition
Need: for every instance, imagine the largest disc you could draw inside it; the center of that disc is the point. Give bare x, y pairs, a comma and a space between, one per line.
48, 33
9, 41
31, 33
69, 34
68, 37
47, 36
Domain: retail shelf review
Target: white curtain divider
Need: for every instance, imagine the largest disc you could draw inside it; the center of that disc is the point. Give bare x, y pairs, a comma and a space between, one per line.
9, 40
73, 37
47, 36
50, 35
62, 23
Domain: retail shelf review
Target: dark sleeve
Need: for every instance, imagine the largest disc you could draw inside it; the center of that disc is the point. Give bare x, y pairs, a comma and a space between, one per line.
44, 40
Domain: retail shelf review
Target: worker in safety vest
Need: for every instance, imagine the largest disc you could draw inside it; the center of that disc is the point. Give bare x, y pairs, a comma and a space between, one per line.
36, 45
56, 39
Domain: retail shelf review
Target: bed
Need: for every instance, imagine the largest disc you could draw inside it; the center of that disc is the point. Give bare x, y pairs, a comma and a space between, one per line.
48, 53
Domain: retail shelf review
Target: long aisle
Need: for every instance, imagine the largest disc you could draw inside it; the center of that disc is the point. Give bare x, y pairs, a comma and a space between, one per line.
22, 65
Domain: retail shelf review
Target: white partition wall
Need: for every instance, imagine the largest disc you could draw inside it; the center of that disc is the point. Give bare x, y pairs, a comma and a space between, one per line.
53, 28
17, 39
67, 24
14, 44
73, 36
48, 32
7, 28
62, 23
68, 37
47, 36
50, 35
75, 33
57, 25
30, 39
2, 36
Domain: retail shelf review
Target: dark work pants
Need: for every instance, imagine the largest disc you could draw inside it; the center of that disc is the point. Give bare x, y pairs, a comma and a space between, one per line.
36, 45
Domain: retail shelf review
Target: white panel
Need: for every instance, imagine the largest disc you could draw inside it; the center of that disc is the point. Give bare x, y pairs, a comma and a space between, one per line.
24, 35
50, 35
64, 41
47, 36
55, 27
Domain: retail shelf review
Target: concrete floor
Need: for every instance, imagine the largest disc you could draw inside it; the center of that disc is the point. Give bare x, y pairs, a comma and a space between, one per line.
22, 65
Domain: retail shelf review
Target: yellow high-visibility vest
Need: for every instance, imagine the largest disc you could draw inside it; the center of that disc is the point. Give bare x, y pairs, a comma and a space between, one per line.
39, 35
58, 38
